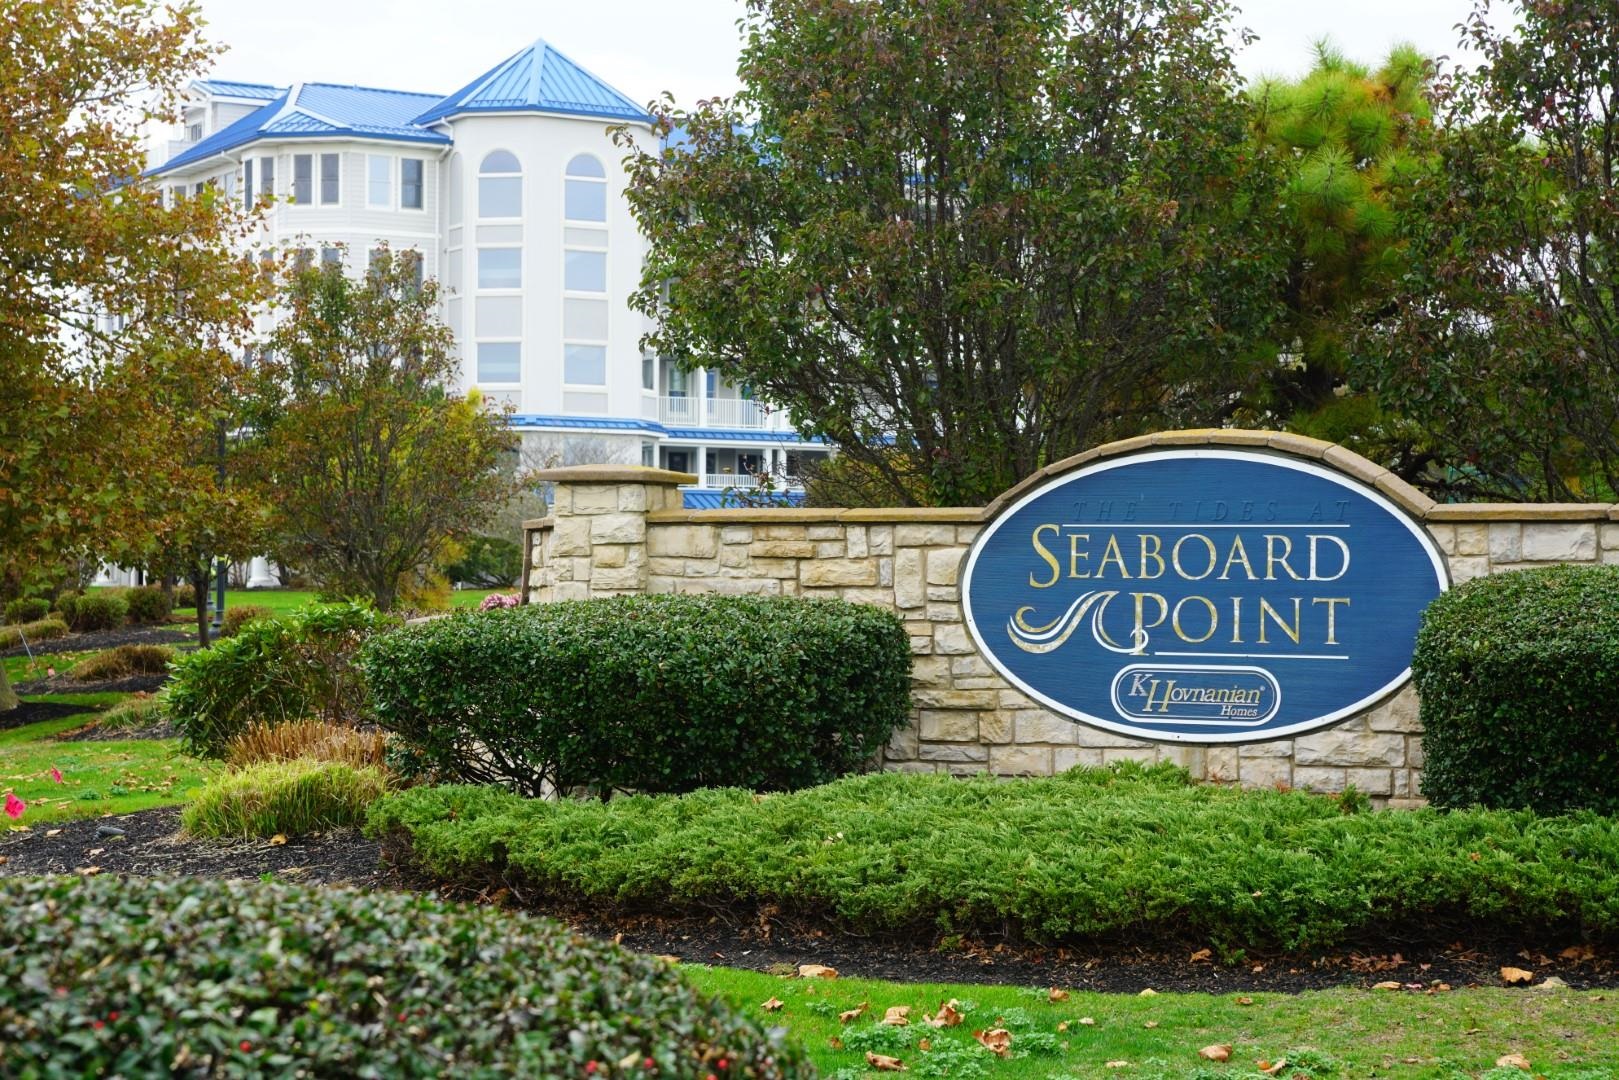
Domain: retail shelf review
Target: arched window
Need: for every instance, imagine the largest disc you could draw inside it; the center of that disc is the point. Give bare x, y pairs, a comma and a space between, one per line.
585, 197
500, 186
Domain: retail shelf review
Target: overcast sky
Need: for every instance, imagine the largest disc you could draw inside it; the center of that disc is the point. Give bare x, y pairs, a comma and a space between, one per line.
689, 47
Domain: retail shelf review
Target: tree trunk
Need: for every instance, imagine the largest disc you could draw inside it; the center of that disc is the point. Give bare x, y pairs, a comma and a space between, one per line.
199, 582
8, 696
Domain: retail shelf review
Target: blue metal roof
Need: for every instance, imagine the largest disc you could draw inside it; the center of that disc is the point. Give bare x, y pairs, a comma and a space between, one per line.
230, 88
710, 499
318, 110
652, 427
537, 79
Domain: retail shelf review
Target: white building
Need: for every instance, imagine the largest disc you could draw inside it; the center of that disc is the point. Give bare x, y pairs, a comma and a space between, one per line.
513, 193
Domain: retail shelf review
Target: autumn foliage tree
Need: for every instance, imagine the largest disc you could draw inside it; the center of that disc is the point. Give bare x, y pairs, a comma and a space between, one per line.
376, 464
90, 451
965, 238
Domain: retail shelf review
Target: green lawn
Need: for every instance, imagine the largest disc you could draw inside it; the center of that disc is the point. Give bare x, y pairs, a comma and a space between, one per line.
97, 777
1342, 1033
283, 600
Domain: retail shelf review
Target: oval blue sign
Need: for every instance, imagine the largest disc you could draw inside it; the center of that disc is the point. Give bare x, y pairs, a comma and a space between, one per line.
1206, 595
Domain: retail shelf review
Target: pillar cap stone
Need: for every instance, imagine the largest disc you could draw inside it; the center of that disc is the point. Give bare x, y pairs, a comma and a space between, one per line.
614, 474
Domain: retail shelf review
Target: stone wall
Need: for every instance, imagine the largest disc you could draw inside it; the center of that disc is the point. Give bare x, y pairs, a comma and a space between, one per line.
618, 530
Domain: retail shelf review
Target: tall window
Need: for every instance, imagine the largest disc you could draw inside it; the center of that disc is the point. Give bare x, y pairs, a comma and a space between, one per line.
266, 176
247, 184
331, 256
500, 186
584, 271
584, 365
331, 170
500, 268
585, 194
303, 179
410, 183
379, 181
499, 361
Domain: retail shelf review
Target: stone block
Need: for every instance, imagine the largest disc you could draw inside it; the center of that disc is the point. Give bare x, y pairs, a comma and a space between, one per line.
1016, 699
776, 568
995, 727
1414, 755
966, 534
734, 556
1266, 772
944, 565
1559, 542
825, 532
730, 586
953, 752
616, 528
695, 568
1472, 539
1444, 538
931, 671
572, 590
1038, 726
666, 567
1020, 760
617, 578
1085, 735
781, 532
948, 725
880, 539
684, 541
876, 596
1064, 758
1337, 749
921, 644
944, 594
571, 537
1221, 765
1506, 542
1405, 804
1119, 753
954, 699
855, 540
782, 549
736, 534
909, 591
885, 572
829, 549
1315, 778
837, 572
632, 497
594, 498
1189, 758
609, 555
1272, 749
1371, 781
902, 745
971, 683
940, 611
923, 535
1467, 567
952, 639
1400, 713
973, 666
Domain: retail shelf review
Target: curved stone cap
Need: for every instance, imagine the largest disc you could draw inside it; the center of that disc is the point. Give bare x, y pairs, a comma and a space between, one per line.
614, 474
1334, 456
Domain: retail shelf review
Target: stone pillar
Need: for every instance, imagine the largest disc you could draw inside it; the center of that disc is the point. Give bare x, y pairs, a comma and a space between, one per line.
594, 543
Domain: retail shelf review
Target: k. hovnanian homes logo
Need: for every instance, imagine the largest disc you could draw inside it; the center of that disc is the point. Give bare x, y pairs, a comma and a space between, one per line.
1206, 595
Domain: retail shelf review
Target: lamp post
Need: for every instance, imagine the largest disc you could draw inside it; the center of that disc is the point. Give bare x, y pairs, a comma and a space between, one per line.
220, 566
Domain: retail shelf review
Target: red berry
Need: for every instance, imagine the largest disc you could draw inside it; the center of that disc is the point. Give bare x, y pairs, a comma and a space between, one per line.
403, 1017
590, 1066
246, 1046
722, 1063
650, 1064
97, 1024
112, 1016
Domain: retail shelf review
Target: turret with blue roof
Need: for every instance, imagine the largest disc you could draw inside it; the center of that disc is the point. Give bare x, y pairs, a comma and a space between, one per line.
538, 79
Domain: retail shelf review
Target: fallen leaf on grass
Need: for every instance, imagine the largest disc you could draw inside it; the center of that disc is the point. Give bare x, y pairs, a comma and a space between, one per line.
1062, 1027
924, 1045
1118, 1065
884, 1063
1200, 956
1055, 995
896, 1016
1217, 1052
1387, 984
4, 859
668, 958
278, 839
1245, 1001
947, 1016
50, 832
1578, 953
773, 1005
1088, 1021
1516, 976
1148, 992
88, 871
1512, 1061
851, 1015
1272, 1069
1150, 1024
997, 1041
816, 971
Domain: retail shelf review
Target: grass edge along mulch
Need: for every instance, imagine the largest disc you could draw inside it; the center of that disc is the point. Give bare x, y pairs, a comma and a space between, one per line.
1134, 853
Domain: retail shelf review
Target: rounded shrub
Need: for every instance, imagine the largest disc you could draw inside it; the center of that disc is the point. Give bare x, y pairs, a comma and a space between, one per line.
123, 661
27, 609
147, 604
240, 615
186, 976
1519, 679
645, 693
86, 612
185, 595
288, 797
43, 630
273, 671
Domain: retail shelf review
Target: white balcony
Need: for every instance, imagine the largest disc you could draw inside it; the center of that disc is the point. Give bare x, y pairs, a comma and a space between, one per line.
714, 412
729, 480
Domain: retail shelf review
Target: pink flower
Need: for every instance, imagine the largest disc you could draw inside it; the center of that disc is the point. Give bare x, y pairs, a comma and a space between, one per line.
56, 774
14, 806
495, 601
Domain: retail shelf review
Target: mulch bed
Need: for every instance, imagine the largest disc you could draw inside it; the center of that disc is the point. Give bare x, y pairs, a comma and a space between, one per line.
62, 684
94, 732
102, 639
151, 846
33, 712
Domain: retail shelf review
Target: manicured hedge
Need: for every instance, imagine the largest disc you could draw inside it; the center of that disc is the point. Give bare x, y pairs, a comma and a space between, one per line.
92, 611
1519, 679
27, 609
647, 693
190, 977
148, 604
273, 671
1141, 854
43, 630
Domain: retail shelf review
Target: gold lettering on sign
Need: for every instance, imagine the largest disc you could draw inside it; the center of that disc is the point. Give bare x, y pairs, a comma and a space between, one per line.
1047, 556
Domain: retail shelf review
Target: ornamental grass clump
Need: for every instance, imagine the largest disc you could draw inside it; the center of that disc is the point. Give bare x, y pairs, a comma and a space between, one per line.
106, 976
1519, 679
1087, 855
317, 740
645, 693
123, 661
288, 798
43, 630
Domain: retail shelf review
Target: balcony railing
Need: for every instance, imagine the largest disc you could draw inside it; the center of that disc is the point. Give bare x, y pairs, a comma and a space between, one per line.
729, 480
714, 412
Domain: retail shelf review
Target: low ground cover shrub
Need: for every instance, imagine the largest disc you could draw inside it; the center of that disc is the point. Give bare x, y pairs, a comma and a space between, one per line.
286, 797
649, 693
155, 976
147, 604
27, 609
1093, 852
122, 661
43, 630
317, 740
1519, 679
240, 615
86, 612
272, 672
